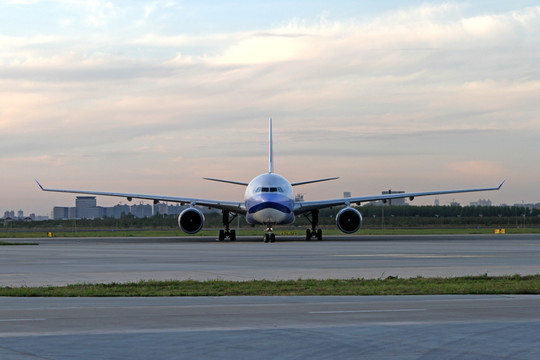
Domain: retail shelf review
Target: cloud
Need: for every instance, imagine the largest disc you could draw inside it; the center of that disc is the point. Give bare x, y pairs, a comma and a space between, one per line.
477, 169
408, 90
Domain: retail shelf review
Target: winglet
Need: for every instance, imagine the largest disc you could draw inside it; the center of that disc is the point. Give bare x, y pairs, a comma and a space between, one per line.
270, 150
39, 184
501, 184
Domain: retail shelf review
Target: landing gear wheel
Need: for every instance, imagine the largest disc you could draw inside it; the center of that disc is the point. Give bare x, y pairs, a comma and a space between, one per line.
266, 238
227, 233
272, 238
314, 221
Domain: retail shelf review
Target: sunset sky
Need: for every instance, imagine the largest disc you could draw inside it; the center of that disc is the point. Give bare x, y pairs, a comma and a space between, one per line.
150, 96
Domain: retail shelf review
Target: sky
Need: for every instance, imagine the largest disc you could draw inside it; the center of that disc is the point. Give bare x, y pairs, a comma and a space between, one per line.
151, 96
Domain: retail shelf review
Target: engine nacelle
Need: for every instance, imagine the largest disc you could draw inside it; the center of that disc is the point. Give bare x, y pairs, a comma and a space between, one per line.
191, 220
349, 220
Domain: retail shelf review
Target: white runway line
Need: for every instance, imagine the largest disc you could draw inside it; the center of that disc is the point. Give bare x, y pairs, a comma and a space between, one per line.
365, 311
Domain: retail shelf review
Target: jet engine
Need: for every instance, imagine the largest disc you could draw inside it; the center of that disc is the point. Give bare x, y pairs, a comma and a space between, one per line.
349, 220
191, 220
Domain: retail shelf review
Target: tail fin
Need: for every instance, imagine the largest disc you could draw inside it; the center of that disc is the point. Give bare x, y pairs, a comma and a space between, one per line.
270, 150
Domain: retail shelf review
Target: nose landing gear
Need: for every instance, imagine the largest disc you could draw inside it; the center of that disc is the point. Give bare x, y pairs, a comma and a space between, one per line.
269, 236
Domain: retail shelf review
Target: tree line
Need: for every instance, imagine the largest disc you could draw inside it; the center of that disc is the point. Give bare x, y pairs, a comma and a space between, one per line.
373, 216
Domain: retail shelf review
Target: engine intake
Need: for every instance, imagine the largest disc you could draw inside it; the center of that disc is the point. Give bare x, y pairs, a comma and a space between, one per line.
191, 220
349, 220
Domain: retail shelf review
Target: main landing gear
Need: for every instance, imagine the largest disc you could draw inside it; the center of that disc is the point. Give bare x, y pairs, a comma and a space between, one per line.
227, 233
314, 221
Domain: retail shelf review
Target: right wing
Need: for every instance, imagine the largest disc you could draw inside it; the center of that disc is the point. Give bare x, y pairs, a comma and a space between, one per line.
236, 207
305, 206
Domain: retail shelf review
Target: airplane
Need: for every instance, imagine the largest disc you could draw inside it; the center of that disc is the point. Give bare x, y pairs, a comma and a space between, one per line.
269, 200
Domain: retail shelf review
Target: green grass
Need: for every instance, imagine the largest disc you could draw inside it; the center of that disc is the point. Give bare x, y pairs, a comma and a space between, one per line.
483, 284
5, 243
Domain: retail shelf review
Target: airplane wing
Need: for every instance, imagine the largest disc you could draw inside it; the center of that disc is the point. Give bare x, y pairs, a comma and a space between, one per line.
305, 206
236, 207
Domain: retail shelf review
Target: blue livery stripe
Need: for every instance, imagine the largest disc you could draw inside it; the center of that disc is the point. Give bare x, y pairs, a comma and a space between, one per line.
269, 205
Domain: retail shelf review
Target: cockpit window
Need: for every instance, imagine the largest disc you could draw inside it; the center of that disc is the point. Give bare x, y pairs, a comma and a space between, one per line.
269, 189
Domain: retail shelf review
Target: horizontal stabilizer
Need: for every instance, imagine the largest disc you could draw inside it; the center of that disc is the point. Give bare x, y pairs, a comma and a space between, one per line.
227, 181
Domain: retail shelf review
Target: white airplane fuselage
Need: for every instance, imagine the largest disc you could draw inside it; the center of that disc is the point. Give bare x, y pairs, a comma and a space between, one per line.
269, 200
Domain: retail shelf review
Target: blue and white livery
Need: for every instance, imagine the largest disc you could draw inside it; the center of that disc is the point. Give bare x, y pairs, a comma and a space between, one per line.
269, 200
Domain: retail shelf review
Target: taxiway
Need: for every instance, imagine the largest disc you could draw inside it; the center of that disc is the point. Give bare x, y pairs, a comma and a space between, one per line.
61, 261
403, 327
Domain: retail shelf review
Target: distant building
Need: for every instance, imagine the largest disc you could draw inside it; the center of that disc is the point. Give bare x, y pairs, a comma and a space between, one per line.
346, 194
141, 210
60, 213
161, 208
175, 209
118, 211
86, 207
481, 202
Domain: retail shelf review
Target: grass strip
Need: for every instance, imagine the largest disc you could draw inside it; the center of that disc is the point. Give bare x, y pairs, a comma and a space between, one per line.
482, 284
5, 243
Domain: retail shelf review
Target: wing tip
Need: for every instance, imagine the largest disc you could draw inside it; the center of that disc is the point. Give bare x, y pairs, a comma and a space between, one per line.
40, 186
504, 180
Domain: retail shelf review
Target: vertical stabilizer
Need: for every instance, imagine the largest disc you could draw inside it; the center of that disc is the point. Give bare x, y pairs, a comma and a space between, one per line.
270, 150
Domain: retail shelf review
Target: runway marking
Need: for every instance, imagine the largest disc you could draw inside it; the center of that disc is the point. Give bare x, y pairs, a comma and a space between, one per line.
415, 256
365, 311
19, 320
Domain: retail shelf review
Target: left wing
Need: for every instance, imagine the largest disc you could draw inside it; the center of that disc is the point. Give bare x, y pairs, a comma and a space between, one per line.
305, 206
236, 207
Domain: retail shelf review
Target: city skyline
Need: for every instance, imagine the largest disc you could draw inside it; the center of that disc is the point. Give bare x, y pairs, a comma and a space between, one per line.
21, 214
151, 97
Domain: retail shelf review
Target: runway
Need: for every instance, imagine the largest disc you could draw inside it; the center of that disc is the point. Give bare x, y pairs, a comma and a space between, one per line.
61, 261
403, 327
